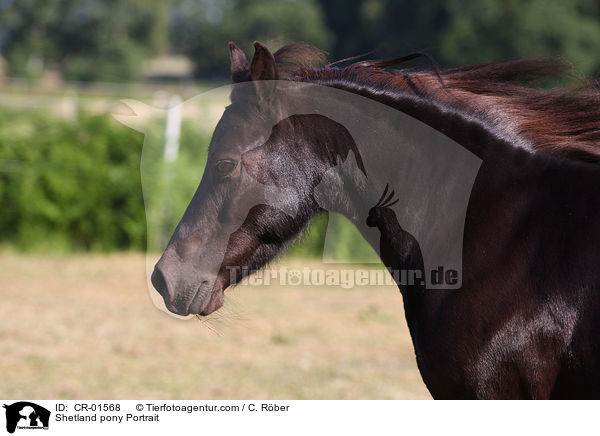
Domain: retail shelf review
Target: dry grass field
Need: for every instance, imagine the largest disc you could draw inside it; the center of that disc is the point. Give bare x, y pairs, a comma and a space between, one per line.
85, 327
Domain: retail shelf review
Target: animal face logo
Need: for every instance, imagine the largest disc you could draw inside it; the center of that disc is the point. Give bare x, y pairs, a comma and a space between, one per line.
272, 166
26, 415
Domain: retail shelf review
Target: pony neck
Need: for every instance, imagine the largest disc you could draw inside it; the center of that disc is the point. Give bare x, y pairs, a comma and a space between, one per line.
433, 177
460, 124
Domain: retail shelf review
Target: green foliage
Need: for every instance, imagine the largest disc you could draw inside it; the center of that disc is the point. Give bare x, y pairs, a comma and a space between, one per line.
70, 185
486, 30
85, 39
202, 29
469, 31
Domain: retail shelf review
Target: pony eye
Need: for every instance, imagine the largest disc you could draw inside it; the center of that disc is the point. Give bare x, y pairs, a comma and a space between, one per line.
224, 167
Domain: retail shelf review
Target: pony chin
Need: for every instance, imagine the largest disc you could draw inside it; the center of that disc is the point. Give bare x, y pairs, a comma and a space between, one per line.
217, 298
204, 304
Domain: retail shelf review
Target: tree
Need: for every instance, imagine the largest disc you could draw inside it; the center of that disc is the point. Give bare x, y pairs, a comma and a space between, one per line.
202, 29
484, 30
459, 32
84, 39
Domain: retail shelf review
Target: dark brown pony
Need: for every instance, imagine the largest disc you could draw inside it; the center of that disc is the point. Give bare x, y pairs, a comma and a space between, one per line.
524, 323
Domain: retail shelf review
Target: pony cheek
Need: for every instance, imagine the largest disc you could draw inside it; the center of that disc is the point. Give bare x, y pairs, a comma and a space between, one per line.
215, 303
241, 246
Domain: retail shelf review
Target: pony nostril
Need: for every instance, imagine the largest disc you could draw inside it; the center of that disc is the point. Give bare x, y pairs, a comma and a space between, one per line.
159, 282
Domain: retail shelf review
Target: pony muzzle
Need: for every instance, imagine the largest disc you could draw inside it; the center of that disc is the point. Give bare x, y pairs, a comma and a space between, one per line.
184, 299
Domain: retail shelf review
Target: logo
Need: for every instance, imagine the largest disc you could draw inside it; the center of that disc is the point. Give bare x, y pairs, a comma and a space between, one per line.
26, 415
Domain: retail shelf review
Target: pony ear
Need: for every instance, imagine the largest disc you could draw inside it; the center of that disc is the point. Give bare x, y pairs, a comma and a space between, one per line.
263, 63
263, 72
239, 64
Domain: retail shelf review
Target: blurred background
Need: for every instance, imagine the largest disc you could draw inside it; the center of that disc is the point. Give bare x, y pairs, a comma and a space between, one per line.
75, 320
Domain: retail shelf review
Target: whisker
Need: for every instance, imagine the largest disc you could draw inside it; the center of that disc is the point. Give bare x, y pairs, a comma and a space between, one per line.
205, 321
225, 316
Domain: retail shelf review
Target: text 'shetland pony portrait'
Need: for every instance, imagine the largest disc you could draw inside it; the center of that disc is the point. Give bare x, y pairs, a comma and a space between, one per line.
481, 185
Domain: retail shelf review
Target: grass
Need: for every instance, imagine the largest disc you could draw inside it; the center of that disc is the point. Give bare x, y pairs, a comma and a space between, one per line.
85, 327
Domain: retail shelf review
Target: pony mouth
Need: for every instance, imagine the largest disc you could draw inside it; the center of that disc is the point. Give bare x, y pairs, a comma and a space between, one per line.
206, 301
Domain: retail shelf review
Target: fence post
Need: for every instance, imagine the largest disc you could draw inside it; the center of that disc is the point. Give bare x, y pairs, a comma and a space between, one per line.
172, 132
173, 128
